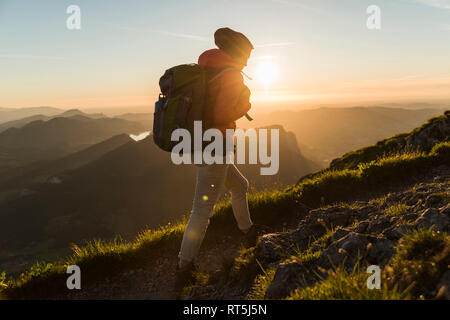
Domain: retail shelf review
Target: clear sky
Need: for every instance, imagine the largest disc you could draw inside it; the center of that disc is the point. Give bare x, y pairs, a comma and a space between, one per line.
306, 50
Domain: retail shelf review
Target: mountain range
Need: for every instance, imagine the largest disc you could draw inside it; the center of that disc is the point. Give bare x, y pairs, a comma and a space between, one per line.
386, 204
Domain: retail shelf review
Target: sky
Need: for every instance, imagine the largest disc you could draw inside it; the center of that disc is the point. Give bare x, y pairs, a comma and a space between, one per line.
306, 51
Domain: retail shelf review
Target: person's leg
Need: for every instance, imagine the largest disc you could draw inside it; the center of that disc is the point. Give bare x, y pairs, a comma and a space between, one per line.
210, 183
238, 185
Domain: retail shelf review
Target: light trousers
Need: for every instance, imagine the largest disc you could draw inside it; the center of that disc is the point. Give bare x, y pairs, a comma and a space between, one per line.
211, 182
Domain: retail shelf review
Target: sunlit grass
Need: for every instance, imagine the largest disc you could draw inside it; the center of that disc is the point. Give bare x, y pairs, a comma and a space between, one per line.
421, 259
100, 258
261, 284
397, 209
342, 285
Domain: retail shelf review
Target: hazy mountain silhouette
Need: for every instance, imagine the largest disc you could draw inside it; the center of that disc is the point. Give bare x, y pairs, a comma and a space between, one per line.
9, 114
15, 180
119, 193
145, 119
327, 133
57, 137
391, 212
24, 121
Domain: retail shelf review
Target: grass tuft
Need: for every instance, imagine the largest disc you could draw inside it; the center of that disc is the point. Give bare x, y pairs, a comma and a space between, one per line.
398, 209
342, 285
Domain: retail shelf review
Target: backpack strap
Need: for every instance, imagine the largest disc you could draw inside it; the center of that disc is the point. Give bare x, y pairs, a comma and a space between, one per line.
219, 74
228, 69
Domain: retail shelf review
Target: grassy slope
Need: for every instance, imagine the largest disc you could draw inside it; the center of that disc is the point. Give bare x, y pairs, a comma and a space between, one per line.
100, 259
384, 147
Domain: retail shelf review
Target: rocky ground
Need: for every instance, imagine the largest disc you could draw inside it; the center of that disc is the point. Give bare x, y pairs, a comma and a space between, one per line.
363, 232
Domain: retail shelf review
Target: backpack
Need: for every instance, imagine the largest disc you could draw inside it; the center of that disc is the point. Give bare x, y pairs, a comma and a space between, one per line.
181, 102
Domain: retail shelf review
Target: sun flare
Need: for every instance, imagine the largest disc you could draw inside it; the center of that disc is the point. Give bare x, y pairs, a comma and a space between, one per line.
267, 72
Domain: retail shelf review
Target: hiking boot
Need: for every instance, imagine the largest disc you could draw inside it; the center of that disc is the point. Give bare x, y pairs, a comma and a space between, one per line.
252, 235
184, 276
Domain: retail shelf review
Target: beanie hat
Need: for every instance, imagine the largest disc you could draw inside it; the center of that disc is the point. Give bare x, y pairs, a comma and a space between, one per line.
232, 42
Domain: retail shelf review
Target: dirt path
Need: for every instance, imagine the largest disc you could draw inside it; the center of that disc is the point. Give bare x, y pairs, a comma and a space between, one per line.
156, 279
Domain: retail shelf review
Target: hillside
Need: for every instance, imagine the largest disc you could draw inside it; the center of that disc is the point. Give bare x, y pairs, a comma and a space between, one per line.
57, 137
321, 234
117, 187
324, 134
17, 179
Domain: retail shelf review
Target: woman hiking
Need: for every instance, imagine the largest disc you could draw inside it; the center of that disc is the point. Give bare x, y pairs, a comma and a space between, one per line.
229, 101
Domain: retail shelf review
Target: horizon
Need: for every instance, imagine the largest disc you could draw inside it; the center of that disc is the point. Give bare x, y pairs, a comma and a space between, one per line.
118, 111
310, 54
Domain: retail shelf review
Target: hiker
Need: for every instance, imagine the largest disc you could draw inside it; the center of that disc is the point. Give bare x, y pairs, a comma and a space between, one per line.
228, 100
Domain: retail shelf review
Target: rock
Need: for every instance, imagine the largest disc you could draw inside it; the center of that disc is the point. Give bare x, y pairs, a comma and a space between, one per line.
443, 287
378, 224
445, 209
272, 246
341, 219
433, 218
361, 227
306, 233
392, 198
364, 212
397, 232
198, 292
380, 251
287, 277
339, 233
410, 216
414, 200
432, 201
428, 135
349, 248
334, 216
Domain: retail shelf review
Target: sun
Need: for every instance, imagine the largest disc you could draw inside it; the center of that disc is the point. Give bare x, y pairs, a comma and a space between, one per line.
267, 72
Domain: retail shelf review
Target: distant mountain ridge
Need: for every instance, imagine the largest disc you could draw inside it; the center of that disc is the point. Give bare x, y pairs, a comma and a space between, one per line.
24, 121
318, 239
9, 114
57, 137
324, 134
119, 192
13, 181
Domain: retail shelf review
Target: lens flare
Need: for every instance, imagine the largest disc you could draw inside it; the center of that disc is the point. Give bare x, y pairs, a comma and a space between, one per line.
267, 72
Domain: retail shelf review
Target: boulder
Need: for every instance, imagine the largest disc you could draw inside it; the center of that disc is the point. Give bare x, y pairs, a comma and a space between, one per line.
349, 248
339, 234
433, 218
288, 277
432, 201
445, 209
378, 224
307, 233
380, 252
443, 287
272, 246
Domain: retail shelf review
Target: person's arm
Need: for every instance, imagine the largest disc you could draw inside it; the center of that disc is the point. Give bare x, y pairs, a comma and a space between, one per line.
232, 101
